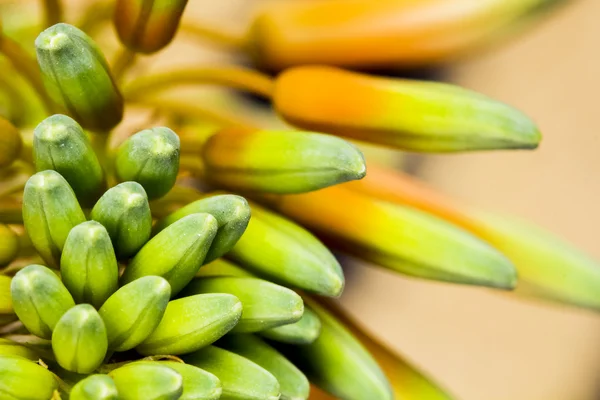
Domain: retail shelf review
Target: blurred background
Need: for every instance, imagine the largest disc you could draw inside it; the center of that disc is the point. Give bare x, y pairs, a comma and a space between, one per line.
480, 344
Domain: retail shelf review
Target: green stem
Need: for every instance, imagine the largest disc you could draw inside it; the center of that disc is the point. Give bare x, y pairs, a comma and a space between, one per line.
28, 68
227, 39
53, 12
124, 61
232, 76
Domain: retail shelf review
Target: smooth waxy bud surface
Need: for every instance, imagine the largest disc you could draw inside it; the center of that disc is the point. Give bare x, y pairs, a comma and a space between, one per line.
39, 299
125, 213
151, 158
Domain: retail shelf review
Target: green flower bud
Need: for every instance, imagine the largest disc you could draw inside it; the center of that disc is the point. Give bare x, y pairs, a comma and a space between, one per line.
222, 267
232, 214
146, 26
265, 304
21, 379
197, 383
60, 144
240, 378
191, 323
279, 161
125, 213
88, 266
10, 143
292, 382
10, 348
95, 387
77, 75
304, 331
79, 340
151, 158
6, 306
297, 260
40, 299
50, 211
137, 381
133, 312
176, 253
9, 245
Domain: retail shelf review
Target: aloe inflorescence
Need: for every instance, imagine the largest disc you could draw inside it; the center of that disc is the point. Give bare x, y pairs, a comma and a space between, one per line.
193, 258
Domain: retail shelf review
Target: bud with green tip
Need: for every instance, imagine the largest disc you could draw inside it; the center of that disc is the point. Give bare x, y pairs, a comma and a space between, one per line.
60, 144
125, 213
137, 381
133, 312
292, 382
40, 299
232, 213
9, 245
265, 304
146, 26
197, 383
298, 260
79, 340
95, 387
77, 76
281, 162
191, 323
6, 306
222, 267
304, 331
88, 265
176, 253
10, 348
151, 158
21, 379
10, 143
50, 211
240, 378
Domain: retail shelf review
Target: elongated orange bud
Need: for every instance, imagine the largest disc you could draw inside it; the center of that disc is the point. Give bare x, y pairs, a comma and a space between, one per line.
407, 114
359, 33
400, 238
548, 267
147, 26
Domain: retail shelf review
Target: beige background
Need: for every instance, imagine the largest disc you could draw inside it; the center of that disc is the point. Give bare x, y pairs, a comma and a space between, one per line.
481, 345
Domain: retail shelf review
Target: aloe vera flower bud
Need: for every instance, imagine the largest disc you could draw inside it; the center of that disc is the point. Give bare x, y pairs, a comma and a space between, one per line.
306, 330
136, 381
133, 312
293, 384
9, 245
151, 158
146, 26
281, 162
77, 76
10, 143
40, 299
176, 253
50, 211
88, 265
125, 213
21, 379
231, 212
297, 260
197, 383
240, 378
79, 340
409, 115
10, 348
265, 304
6, 307
60, 144
95, 387
193, 322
